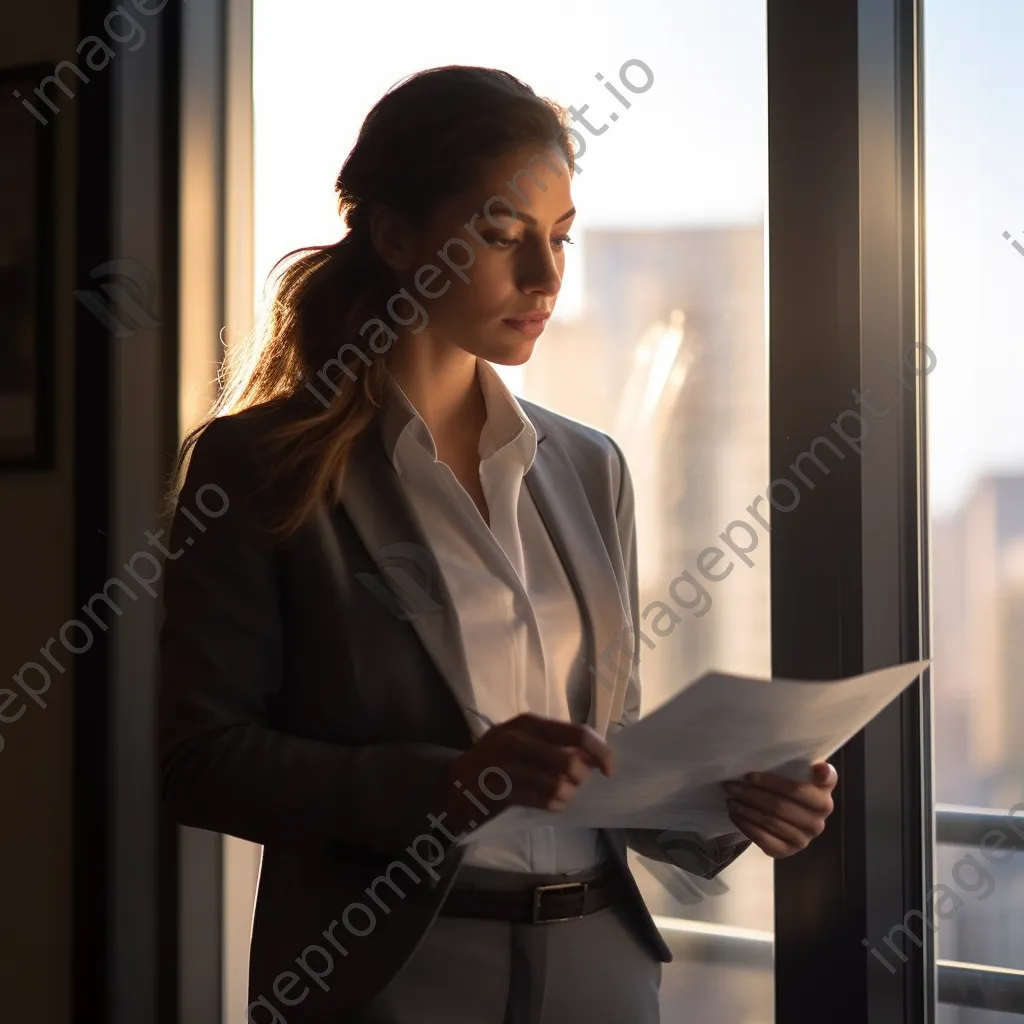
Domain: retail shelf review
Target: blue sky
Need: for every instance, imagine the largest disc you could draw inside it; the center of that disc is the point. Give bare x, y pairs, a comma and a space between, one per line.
974, 174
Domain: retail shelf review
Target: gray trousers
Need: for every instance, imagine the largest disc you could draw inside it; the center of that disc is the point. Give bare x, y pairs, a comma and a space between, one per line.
591, 970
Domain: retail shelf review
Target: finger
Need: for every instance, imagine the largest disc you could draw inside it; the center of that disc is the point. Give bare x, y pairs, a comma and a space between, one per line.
569, 734
775, 783
594, 749
771, 844
526, 777
785, 831
825, 775
809, 794
775, 806
554, 760
814, 798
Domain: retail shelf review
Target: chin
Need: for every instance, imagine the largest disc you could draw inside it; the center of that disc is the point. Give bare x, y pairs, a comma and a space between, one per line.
505, 348
511, 355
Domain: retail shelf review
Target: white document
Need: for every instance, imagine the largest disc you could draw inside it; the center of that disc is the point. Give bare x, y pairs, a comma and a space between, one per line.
669, 766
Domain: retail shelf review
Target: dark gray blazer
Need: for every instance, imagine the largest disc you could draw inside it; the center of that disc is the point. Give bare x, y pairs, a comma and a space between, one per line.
304, 707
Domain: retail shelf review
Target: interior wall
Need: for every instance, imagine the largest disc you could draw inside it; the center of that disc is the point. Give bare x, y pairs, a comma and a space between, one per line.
36, 555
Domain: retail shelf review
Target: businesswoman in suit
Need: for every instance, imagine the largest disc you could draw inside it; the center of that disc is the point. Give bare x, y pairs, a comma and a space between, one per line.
399, 600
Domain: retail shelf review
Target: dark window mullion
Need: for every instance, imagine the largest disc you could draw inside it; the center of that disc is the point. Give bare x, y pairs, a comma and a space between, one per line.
842, 266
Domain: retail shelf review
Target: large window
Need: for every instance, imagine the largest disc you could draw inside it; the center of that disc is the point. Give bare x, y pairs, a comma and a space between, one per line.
776, 154
659, 333
974, 218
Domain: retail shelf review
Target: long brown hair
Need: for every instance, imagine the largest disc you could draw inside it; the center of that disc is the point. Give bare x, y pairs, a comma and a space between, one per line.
423, 142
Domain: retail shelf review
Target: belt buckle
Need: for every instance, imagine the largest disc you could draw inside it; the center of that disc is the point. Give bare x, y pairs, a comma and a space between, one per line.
538, 892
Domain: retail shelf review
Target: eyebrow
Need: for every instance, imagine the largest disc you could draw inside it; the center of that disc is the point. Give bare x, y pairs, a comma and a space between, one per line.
532, 220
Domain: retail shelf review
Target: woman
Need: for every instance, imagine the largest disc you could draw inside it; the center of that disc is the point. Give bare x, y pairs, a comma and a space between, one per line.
389, 586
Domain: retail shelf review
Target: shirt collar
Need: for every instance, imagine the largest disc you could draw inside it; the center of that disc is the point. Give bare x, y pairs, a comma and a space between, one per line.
507, 430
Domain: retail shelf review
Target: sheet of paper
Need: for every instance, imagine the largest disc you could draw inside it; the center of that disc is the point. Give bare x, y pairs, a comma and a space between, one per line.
670, 764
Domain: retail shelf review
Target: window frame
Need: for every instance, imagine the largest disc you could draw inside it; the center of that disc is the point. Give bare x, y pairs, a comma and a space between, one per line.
845, 292
845, 297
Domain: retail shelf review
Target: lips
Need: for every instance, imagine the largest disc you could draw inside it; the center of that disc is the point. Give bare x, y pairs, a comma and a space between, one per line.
532, 324
529, 318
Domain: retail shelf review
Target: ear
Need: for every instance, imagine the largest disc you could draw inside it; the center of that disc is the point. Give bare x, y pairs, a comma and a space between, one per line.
392, 238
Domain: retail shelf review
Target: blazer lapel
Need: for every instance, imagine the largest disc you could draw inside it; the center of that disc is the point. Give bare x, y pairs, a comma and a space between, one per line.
563, 505
412, 586
410, 583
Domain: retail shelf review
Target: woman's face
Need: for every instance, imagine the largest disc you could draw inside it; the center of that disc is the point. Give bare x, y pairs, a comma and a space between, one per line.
491, 259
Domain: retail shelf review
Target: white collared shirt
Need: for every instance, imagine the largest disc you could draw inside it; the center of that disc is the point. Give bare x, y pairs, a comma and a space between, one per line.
519, 616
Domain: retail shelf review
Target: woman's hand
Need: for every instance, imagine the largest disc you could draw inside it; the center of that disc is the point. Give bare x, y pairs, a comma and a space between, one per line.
528, 761
782, 816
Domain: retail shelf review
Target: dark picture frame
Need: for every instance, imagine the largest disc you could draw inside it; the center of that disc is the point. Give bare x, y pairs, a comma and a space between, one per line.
27, 250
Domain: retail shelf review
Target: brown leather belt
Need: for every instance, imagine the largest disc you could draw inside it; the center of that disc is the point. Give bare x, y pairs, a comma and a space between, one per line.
538, 904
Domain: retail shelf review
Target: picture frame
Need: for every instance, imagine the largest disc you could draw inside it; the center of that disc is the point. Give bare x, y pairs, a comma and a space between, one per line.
27, 251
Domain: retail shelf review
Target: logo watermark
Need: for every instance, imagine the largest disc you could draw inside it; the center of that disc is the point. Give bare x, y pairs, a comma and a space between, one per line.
123, 302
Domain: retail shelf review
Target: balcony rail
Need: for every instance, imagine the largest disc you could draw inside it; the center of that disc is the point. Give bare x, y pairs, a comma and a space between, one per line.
969, 826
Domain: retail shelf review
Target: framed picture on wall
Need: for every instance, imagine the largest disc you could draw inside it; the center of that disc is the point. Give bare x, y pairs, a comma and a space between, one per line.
27, 364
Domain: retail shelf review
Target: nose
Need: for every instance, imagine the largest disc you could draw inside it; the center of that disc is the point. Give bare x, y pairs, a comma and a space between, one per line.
538, 271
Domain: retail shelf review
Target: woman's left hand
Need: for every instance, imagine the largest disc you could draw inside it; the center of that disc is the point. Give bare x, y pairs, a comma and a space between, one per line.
782, 816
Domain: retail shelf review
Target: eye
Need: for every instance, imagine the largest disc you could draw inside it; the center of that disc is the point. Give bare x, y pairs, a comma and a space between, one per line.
562, 241
502, 241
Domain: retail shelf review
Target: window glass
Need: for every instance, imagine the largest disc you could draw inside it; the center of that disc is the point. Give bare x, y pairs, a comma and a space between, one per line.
974, 256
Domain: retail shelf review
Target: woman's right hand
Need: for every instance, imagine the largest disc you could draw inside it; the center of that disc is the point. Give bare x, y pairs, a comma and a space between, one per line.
529, 761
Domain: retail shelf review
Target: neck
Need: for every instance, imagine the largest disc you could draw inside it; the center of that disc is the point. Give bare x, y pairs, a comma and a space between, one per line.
441, 382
